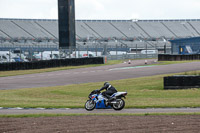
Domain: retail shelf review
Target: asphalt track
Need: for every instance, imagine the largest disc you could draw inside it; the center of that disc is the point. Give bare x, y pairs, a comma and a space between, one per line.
95, 74
19, 111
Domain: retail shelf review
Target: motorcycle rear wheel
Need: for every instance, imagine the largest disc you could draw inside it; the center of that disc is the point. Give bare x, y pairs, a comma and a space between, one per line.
90, 105
119, 105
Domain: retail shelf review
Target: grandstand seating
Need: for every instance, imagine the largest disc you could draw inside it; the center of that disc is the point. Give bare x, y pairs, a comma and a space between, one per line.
11, 30
49, 26
196, 26
127, 29
142, 32
84, 32
156, 29
32, 29
178, 29
105, 29
128, 32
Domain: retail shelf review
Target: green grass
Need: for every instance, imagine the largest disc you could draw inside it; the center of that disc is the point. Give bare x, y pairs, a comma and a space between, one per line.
91, 114
145, 92
176, 62
193, 73
23, 72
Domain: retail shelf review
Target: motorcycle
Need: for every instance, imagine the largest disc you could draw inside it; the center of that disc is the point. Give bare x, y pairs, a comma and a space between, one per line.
98, 101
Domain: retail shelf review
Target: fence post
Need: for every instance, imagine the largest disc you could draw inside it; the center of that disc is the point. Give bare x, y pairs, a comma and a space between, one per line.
75, 52
96, 48
136, 49
126, 49
41, 55
116, 50
146, 50
87, 51
20, 54
9, 55
31, 55
78, 51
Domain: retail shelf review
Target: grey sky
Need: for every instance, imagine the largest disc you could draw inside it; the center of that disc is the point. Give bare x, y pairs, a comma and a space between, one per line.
104, 9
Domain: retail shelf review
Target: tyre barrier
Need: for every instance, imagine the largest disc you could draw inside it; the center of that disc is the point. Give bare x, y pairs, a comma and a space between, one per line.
50, 63
182, 82
171, 57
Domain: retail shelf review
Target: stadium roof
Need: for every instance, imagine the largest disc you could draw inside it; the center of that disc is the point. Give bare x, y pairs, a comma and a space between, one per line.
131, 20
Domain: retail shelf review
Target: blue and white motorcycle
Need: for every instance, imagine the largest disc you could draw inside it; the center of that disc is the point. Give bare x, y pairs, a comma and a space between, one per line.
98, 101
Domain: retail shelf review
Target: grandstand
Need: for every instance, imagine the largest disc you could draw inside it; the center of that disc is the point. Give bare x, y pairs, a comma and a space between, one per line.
129, 33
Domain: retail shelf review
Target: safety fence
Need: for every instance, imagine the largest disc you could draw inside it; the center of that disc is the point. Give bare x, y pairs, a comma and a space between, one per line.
118, 51
171, 57
131, 56
182, 82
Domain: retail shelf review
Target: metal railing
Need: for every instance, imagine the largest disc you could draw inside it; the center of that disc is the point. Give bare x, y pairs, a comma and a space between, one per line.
47, 52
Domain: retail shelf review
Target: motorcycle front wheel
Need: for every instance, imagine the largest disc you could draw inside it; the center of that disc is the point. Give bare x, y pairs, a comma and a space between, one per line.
90, 105
119, 105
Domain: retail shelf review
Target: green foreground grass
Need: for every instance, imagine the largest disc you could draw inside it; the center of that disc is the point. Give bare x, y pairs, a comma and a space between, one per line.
145, 92
60, 115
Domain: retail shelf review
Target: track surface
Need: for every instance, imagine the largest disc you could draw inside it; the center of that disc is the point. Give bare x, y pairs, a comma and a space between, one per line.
94, 74
99, 111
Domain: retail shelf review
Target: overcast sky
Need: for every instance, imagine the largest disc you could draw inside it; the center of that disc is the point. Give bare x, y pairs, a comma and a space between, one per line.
104, 9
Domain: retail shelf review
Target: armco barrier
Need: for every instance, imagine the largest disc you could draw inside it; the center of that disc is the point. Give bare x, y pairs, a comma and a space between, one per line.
50, 63
182, 82
171, 57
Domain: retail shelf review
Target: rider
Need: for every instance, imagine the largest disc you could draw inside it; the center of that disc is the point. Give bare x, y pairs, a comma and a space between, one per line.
109, 91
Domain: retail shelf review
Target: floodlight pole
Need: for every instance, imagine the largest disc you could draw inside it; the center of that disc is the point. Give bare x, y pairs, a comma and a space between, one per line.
66, 25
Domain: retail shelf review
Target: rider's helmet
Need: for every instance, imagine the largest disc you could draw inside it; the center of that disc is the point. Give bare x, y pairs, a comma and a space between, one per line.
106, 84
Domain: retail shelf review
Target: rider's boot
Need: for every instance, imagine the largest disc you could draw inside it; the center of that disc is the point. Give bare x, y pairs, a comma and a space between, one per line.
110, 100
107, 101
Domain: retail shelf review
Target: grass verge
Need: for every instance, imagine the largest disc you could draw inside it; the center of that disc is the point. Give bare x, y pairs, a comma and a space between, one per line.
23, 72
175, 62
145, 92
112, 62
117, 114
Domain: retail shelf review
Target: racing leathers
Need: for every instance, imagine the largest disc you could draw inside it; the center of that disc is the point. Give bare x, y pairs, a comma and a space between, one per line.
109, 91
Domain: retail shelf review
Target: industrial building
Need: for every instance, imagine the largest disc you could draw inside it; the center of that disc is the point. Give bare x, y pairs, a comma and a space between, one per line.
186, 46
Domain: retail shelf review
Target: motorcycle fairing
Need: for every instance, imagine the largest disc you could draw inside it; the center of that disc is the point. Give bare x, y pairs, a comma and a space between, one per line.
100, 102
118, 94
101, 105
